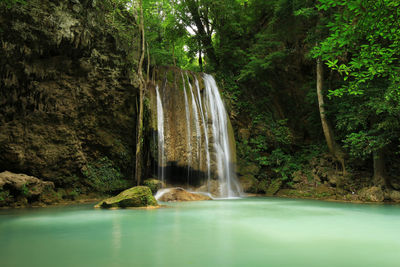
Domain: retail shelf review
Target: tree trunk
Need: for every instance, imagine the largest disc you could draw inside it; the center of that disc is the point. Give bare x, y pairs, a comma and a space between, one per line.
142, 84
333, 147
173, 53
206, 39
200, 61
148, 63
379, 168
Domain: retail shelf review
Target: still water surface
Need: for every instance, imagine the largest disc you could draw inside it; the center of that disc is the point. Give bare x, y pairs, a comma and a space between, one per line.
241, 232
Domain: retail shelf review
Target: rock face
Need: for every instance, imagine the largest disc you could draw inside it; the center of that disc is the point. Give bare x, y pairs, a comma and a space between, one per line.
22, 190
139, 196
67, 90
179, 194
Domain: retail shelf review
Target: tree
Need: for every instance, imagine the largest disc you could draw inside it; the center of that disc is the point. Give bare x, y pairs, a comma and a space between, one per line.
363, 48
142, 87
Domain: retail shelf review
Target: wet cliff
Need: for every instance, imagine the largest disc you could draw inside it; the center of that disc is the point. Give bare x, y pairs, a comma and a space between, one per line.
68, 91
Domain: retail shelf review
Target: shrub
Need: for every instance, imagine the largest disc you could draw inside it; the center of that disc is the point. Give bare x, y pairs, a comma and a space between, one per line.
104, 177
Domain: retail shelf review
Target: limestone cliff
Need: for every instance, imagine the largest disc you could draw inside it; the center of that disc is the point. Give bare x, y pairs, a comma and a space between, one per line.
67, 91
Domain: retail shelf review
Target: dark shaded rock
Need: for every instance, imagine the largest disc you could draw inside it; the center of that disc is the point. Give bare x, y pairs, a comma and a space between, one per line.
180, 194
23, 190
139, 196
395, 183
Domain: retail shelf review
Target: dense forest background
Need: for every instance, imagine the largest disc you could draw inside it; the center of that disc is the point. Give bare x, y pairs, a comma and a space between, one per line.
311, 87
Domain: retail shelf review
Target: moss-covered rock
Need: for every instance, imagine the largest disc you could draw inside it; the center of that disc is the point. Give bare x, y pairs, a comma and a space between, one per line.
139, 196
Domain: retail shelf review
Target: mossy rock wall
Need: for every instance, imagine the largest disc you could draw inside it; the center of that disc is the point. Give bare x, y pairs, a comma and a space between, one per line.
67, 90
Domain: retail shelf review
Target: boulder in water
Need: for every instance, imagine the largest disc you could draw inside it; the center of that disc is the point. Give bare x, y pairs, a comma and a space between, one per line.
138, 196
179, 194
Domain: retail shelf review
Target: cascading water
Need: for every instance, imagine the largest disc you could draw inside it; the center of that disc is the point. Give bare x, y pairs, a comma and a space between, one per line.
194, 145
204, 118
188, 129
229, 185
161, 141
196, 121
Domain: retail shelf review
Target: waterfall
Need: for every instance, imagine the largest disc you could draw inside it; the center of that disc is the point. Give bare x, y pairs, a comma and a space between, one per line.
205, 128
161, 141
194, 145
229, 185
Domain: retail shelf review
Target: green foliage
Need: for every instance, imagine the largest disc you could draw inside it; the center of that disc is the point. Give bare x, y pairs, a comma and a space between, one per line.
166, 36
10, 3
25, 190
120, 17
153, 184
4, 195
363, 44
104, 177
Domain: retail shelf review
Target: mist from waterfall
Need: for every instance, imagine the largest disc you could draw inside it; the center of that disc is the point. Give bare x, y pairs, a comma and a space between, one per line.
202, 146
